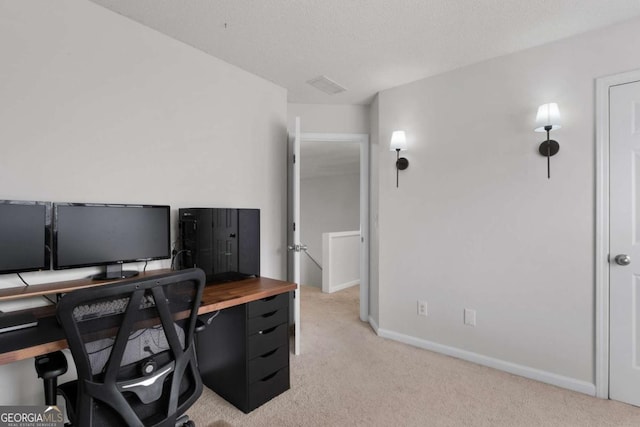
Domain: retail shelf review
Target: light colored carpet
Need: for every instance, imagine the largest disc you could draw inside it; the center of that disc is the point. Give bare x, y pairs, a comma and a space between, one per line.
346, 375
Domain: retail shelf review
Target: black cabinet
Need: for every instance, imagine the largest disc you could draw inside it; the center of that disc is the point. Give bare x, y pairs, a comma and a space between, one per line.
243, 355
225, 243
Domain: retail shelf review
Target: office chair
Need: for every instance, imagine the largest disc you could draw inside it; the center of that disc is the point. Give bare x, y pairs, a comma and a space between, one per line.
135, 358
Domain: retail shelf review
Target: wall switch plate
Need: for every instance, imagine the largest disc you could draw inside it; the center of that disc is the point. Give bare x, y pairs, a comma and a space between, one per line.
469, 317
422, 308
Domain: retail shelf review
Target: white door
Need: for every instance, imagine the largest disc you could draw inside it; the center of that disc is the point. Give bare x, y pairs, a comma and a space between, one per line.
624, 321
293, 226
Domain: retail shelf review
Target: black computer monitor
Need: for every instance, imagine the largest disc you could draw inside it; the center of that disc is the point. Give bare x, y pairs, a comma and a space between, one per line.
105, 234
25, 230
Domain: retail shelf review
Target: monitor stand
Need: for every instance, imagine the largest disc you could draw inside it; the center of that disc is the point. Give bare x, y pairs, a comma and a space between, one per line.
114, 271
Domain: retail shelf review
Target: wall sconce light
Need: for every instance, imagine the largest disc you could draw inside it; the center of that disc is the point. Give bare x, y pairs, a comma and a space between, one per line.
548, 119
399, 143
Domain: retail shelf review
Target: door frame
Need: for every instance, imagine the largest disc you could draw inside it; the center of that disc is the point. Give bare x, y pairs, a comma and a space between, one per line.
363, 140
602, 227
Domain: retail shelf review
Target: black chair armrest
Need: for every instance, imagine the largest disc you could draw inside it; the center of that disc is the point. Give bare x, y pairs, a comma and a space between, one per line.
51, 365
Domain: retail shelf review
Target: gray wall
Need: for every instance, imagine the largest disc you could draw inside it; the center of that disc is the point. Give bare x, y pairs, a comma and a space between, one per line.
477, 224
323, 118
97, 108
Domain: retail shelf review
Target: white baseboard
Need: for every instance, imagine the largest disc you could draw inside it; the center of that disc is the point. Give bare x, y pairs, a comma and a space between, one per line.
513, 368
344, 285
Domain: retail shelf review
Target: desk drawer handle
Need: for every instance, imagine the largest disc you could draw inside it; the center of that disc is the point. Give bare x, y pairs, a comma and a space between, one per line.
269, 298
268, 353
267, 331
270, 314
268, 377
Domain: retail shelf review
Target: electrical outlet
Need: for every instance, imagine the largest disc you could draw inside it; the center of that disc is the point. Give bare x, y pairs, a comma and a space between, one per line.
469, 317
422, 308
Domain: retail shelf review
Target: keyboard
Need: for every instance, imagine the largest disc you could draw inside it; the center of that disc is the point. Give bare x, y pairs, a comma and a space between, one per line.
108, 308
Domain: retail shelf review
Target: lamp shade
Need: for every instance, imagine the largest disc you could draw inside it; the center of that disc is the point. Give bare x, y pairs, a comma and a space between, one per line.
398, 141
548, 115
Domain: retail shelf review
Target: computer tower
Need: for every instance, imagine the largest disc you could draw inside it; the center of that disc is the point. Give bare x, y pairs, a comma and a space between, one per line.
225, 243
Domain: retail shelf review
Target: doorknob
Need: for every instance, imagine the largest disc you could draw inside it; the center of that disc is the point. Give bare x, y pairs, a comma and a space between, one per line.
622, 259
297, 248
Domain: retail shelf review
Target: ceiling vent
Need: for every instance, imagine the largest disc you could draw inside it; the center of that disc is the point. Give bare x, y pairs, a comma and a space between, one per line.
326, 85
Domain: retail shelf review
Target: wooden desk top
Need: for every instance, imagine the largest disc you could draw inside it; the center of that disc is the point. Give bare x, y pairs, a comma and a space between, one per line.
48, 335
224, 295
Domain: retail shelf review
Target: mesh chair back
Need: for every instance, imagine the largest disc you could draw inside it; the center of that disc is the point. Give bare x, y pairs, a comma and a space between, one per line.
132, 343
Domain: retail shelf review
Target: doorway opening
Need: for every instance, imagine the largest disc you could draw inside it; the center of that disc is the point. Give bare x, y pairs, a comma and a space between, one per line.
334, 196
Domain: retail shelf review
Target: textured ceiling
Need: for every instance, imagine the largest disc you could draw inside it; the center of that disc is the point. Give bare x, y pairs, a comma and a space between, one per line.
366, 45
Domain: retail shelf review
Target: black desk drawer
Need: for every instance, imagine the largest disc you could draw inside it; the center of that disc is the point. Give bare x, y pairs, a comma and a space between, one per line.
266, 305
267, 388
245, 358
263, 366
260, 344
267, 320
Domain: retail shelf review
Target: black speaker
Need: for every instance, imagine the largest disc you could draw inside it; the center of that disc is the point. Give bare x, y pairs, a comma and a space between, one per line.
225, 243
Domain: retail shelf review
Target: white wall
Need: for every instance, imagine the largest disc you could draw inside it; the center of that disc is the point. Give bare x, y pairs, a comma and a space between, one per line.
477, 224
97, 108
341, 260
325, 118
327, 204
